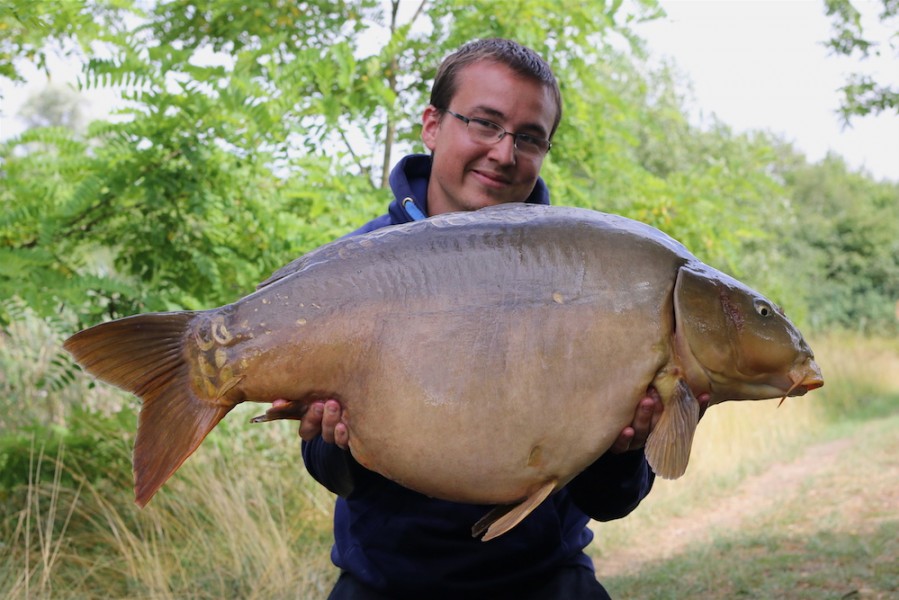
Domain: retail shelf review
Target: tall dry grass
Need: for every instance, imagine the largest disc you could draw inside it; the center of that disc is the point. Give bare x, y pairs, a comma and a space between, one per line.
233, 522
227, 525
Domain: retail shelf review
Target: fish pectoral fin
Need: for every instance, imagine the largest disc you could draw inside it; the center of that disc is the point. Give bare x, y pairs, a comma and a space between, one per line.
292, 410
504, 517
668, 446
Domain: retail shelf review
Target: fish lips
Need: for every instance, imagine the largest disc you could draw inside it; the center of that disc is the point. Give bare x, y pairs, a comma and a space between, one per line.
805, 378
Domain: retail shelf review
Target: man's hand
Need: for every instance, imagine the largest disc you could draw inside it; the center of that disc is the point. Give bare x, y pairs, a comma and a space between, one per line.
321, 418
646, 417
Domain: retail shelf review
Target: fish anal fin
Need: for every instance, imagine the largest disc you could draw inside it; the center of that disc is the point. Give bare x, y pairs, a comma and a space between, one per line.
668, 446
484, 522
503, 518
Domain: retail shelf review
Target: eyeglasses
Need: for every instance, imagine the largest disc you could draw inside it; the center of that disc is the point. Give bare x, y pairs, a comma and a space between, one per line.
488, 132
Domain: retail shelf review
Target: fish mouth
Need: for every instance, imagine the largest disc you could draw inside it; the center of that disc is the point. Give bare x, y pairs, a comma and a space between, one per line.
805, 378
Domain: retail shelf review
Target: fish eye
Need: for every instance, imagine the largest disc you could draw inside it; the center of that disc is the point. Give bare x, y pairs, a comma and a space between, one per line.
763, 309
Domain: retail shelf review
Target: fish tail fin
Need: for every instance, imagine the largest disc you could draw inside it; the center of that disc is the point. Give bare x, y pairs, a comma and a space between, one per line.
144, 355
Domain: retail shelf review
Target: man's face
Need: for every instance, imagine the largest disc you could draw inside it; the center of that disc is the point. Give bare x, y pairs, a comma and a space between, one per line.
468, 174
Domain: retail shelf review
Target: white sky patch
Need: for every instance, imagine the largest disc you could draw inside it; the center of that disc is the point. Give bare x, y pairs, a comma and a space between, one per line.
762, 65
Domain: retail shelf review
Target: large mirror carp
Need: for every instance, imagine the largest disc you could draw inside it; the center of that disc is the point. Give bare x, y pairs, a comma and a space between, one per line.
483, 357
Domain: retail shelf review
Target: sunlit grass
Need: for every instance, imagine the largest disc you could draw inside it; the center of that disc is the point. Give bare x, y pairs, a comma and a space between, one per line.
831, 535
38, 538
224, 527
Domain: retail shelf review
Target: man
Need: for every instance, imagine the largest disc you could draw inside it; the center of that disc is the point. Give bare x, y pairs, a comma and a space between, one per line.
494, 108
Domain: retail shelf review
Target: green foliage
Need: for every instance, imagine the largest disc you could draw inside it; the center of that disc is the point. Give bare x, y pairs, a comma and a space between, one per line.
39, 383
250, 134
863, 94
30, 30
100, 444
844, 246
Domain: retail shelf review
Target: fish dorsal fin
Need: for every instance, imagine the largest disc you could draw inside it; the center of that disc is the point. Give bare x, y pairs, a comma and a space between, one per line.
503, 518
668, 446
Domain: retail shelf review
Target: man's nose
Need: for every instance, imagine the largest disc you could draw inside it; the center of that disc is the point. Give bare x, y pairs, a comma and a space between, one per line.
503, 151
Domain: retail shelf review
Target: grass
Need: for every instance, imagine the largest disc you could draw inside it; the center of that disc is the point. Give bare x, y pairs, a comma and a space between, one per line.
231, 523
814, 565
790, 502
837, 536
242, 518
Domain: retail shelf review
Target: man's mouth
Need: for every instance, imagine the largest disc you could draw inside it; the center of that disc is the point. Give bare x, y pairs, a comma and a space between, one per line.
491, 179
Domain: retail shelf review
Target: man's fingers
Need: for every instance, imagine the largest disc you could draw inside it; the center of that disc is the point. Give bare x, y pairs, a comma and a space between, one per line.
330, 419
342, 436
645, 418
623, 443
324, 419
311, 425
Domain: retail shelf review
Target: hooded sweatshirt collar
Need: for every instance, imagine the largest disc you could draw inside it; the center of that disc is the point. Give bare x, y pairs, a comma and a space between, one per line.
409, 182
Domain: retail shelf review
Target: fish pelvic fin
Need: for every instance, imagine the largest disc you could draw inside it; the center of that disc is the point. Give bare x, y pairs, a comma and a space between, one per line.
668, 445
504, 517
144, 355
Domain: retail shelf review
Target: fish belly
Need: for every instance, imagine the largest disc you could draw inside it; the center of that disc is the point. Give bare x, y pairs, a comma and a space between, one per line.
472, 365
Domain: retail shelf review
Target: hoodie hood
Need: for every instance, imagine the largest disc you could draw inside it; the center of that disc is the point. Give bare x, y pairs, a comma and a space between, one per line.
409, 183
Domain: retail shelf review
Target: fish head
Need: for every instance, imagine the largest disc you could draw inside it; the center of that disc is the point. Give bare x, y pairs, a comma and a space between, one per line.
736, 344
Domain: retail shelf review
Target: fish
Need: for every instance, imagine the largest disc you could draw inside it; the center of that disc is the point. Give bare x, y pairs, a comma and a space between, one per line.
482, 357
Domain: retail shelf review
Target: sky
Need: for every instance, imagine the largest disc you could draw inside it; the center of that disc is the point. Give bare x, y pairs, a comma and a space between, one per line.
761, 65
754, 64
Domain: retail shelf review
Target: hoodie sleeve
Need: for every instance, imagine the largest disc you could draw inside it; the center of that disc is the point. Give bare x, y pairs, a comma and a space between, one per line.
612, 486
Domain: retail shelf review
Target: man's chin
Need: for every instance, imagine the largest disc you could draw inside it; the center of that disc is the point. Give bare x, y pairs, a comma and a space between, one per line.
485, 201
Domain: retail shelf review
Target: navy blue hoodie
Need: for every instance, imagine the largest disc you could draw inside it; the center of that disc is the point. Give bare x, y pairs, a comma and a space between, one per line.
407, 545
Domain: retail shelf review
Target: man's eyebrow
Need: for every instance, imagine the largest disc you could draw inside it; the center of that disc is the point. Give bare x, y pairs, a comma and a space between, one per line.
534, 128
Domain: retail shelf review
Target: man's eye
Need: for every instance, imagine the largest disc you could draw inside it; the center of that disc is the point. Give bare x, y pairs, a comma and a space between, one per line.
485, 124
528, 140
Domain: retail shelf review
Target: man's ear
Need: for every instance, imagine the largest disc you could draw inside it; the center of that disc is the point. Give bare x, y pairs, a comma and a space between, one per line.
430, 125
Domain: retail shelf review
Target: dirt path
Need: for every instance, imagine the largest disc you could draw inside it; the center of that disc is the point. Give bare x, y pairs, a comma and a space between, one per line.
759, 495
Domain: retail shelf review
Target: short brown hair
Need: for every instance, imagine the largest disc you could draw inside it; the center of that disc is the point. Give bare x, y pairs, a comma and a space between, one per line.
520, 59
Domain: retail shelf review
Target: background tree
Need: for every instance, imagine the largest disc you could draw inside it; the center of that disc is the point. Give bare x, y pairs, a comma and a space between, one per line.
31, 31
56, 105
862, 94
844, 255
248, 134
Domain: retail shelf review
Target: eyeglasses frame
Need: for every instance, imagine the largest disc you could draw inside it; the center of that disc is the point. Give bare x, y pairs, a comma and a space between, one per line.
503, 131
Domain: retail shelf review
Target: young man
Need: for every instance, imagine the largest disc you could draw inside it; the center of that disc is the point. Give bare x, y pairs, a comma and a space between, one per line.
495, 106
